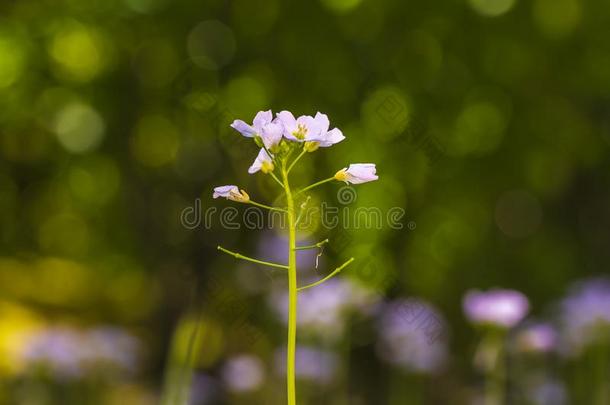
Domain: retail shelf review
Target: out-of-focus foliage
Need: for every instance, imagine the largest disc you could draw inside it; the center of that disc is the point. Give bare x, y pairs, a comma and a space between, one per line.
488, 120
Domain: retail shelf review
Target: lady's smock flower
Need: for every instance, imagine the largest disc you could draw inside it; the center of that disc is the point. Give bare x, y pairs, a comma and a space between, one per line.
263, 127
324, 138
357, 173
231, 192
263, 162
312, 130
298, 129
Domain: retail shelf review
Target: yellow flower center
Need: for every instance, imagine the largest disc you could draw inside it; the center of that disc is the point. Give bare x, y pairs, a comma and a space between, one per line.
300, 132
341, 175
267, 167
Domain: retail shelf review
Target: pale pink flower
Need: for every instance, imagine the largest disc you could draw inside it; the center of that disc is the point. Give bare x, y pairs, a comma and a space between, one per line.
357, 173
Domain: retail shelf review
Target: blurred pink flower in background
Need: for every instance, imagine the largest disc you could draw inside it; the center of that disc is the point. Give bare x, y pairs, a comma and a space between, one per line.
412, 336
315, 365
538, 337
324, 310
243, 373
585, 314
503, 308
69, 352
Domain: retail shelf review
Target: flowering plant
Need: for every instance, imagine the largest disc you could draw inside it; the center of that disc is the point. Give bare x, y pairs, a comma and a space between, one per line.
496, 312
280, 139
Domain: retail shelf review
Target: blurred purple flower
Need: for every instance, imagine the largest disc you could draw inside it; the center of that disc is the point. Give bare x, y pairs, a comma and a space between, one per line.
59, 349
311, 364
539, 337
504, 308
413, 336
204, 390
70, 352
585, 313
548, 392
113, 346
243, 373
324, 309
275, 248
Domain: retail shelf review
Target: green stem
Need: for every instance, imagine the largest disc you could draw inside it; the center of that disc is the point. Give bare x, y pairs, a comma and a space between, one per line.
296, 160
315, 185
292, 295
240, 256
276, 179
334, 273
315, 246
602, 359
496, 374
266, 206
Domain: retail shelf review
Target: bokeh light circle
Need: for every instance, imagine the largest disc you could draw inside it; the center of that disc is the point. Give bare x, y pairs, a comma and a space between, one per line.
145, 6
492, 8
12, 60
386, 112
155, 141
79, 128
479, 128
211, 45
341, 6
557, 18
79, 51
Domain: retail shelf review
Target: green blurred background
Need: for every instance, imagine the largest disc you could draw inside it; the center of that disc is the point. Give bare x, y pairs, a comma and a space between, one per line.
489, 121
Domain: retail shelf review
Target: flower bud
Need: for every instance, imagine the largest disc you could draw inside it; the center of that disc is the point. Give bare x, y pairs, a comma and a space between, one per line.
311, 146
357, 173
232, 193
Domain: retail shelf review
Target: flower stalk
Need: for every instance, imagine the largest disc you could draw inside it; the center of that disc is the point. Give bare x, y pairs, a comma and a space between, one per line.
278, 139
314, 185
267, 207
294, 162
314, 246
249, 259
292, 294
495, 379
331, 275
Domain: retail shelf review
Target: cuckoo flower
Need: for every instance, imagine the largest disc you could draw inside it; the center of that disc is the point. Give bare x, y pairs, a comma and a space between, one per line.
263, 127
231, 192
324, 137
357, 173
284, 141
299, 129
263, 162
312, 130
